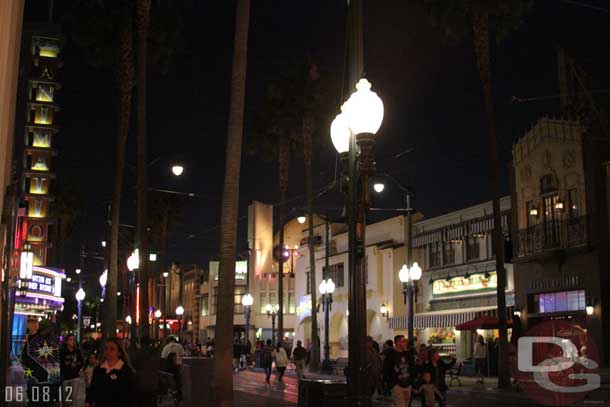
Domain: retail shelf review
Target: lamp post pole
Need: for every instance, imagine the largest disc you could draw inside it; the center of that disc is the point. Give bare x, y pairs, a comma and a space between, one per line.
272, 313
408, 277
327, 287
247, 302
409, 250
80, 296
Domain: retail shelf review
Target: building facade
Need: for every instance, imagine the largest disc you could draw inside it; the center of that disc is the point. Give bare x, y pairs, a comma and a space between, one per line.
459, 279
560, 194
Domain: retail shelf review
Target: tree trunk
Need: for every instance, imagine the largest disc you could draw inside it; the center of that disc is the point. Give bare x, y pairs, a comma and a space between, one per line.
223, 367
314, 360
480, 24
125, 85
141, 241
283, 160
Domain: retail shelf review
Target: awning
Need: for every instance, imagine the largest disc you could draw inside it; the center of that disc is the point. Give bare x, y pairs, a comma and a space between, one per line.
487, 322
440, 319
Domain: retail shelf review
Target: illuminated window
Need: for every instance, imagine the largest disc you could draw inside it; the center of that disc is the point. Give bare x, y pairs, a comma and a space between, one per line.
559, 301
263, 302
239, 293
44, 93
204, 305
48, 50
291, 303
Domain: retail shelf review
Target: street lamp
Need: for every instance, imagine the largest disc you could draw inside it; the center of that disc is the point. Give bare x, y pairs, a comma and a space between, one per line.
80, 296
77, 271
301, 219
408, 277
104, 279
327, 288
247, 301
157, 317
133, 261
379, 187
179, 312
165, 274
272, 313
128, 319
177, 170
352, 130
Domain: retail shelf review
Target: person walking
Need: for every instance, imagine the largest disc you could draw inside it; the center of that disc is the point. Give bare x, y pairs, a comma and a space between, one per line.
267, 359
373, 365
71, 363
281, 361
113, 380
89, 368
480, 357
438, 369
173, 347
398, 371
299, 356
429, 392
146, 363
237, 347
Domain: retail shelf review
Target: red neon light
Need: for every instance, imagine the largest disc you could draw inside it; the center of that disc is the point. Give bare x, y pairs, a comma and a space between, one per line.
138, 304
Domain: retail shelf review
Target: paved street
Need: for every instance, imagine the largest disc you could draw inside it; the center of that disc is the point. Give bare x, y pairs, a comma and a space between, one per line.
252, 391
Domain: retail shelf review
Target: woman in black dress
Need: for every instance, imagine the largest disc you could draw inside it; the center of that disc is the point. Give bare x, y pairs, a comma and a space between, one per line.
112, 384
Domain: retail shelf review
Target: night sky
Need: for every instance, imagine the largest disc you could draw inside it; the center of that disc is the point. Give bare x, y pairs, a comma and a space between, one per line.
431, 93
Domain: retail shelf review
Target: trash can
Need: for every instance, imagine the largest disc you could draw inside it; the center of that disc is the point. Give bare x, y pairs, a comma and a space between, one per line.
322, 393
196, 378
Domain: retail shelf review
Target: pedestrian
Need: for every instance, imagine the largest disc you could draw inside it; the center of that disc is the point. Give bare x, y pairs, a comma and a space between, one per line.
374, 366
388, 347
480, 357
71, 363
267, 359
398, 371
281, 360
236, 354
438, 369
299, 356
88, 369
112, 383
146, 363
173, 347
429, 392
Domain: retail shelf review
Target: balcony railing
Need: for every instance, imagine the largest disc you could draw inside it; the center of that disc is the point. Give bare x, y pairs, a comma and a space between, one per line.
550, 236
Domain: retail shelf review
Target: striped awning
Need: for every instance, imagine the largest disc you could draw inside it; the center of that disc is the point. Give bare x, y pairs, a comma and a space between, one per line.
442, 319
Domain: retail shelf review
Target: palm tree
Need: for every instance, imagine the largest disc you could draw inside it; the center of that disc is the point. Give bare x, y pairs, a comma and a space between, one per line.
142, 23
223, 367
462, 19
125, 76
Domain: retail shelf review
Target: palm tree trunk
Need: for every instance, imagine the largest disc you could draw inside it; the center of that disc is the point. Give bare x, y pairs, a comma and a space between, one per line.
283, 160
314, 360
223, 368
480, 24
125, 79
142, 24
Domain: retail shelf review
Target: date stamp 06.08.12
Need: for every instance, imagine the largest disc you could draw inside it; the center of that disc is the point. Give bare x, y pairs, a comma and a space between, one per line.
37, 394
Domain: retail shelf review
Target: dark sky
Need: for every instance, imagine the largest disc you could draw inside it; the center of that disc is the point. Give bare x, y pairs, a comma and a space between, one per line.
431, 93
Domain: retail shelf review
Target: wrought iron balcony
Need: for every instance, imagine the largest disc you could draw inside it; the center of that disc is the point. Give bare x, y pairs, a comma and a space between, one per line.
551, 236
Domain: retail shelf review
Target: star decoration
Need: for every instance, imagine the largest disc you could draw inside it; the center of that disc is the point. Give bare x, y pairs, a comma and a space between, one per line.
45, 351
28, 372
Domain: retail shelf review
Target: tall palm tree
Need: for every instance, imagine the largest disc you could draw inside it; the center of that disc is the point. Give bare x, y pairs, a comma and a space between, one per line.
223, 353
471, 19
142, 23
125, 77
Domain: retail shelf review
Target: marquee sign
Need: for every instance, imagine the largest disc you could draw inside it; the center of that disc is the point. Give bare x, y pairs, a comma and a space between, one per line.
462, 285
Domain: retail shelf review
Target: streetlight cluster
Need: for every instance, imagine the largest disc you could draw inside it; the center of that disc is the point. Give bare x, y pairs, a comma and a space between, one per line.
327, 288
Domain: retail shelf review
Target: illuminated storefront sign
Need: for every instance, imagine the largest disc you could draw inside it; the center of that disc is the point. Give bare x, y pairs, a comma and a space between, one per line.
461, 284
41, 284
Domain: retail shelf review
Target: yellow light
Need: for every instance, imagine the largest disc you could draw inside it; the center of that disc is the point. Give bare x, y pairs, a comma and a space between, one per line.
48, 52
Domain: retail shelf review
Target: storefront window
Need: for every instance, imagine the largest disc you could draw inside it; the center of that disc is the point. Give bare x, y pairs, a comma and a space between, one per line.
435, 255
559, 301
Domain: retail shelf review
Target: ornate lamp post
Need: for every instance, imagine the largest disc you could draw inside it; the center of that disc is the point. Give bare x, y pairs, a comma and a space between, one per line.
247, 301
408, 278
158, 317
80, 296
133, 263
327, 288
179, 313
272, 313
353, 135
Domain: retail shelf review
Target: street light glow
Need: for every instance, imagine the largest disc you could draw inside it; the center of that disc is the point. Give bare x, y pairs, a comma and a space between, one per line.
133, 261
68, 279
379, 187
247, 300
339, 132
403, 274
77, 271
301, 219
364, 109
128, 319
179, 310
165, 274
415, 272
152, 256
104, 278
158, 313
80, 295
177, 170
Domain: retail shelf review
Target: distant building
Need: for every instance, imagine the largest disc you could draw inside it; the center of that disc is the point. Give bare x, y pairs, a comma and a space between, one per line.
561, 246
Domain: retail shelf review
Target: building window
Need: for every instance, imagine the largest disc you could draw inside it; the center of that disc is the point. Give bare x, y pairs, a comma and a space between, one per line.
263, 302
551, 219
272, 299
435, 255
532, 213
561, 301
336, 273
473, 249
214, 300
239, 293
449, 253
291, 303
573, 206
204, 305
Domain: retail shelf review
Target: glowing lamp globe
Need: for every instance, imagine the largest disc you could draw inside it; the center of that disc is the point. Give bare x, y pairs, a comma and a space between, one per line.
158, 313
379, 187
247, 300
133, 261
403, 274
128, 319
179, 310
177, 170
330, 286
104, 278
415, 272
340, 133
322, 287
77, 271
165, 274
301, 219
268, 308
80, 295
383, 309
364, 110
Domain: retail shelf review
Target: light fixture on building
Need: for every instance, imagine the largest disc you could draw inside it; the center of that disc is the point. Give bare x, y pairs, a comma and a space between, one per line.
152, 256
103, 243
590, 308
379, 187
385, 312
301, 219
68, 279
128, 319
165, 274
118, 293
133, 261
559, 205
533, 211
190, 322
177, 170
179, 310
517, 311
158, 314
77, 271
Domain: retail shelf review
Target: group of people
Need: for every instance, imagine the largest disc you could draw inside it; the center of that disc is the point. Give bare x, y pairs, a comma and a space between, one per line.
282, 357
405, 373
111, 377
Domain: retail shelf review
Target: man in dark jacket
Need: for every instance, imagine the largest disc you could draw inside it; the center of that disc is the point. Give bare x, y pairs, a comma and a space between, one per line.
398, 371
146, 363
438, 369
